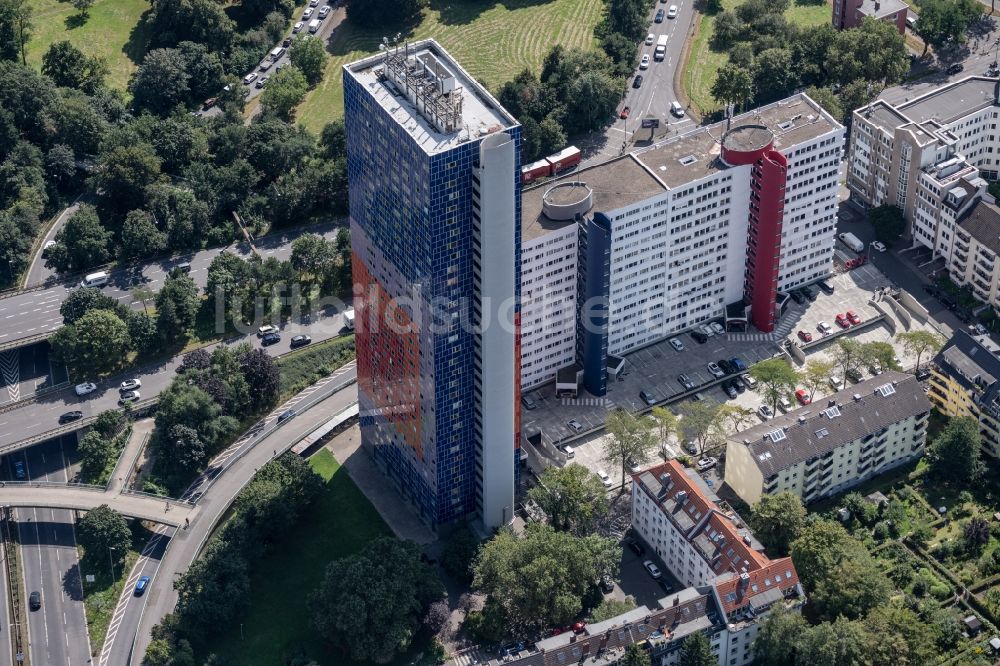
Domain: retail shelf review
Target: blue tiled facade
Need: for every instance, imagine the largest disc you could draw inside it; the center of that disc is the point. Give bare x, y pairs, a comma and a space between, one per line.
411, 224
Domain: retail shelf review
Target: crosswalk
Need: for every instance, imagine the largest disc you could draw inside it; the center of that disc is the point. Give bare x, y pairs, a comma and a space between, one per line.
10, 372
468, 657
785, 326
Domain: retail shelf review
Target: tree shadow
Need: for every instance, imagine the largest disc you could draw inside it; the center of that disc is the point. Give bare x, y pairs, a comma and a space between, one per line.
72, 584
75, 21
139, 38
462, 12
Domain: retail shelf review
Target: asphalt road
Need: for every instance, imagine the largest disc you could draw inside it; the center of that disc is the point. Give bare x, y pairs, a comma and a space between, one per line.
31, 313
38, 272
653, 97
6, 630
57, 633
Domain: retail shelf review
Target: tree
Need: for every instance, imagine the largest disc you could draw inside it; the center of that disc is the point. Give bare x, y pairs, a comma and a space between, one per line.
737, 416
919, 342
976, 534
15, 29
141, 237
98, 342
630, 441
827, 99
611, 607
898, 636
634, 656
176, 306
69, 67
777, 520
955, 453
700, 422
855, 95
284, 91
816, 374
773, 74
572, 497
161, 82
875, 51
597, 94
697, 651
460, 552
308, 55
839, 643
81, 301
83, 6
943, 20
879, 353
379, 13
777, 379
370, 604
666, 424
81, 243
888, 222
124, 173
102, 529
262, 373
779, 633
60, 165
733, 84
311, 255
848, 355
540, 579
95, 453
728, 29
186, 451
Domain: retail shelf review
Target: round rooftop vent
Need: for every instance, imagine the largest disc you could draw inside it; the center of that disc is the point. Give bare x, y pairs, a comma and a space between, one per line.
567, 200
745, 144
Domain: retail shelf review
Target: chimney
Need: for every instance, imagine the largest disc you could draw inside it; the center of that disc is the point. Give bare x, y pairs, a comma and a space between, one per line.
744, 581
677, 599
802, 420
857, 397
832, 402
681, 497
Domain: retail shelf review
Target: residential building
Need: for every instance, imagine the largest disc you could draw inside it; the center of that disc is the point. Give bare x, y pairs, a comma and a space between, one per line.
850, 13
827, 447
669, 235
928, 156
964, 382
433, 164
973, 257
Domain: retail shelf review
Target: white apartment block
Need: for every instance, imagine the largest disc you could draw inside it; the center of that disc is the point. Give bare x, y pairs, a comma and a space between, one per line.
822, 449
681, 221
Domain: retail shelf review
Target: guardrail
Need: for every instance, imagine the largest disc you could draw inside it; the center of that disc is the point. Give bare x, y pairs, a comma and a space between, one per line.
54, 484
11, 561
11, 406
27, 340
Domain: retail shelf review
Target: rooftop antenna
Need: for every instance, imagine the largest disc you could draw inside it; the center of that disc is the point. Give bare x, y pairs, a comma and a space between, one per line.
729, 115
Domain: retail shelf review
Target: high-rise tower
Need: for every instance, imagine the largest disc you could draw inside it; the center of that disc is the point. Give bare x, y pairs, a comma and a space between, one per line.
433, 165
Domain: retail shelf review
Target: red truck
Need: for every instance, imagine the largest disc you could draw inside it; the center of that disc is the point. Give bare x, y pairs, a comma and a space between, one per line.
551, 165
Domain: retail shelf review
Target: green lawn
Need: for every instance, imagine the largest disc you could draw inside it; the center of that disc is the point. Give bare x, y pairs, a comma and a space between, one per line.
276, 625
109, 32
492, 40
307, 366
704, 62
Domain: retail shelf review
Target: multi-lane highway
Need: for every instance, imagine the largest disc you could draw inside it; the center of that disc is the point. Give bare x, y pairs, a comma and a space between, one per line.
57, 632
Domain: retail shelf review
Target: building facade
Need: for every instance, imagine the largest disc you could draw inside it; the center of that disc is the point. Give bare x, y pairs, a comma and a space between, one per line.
433, 166
965, 381
730, 213
822, 449
850, 13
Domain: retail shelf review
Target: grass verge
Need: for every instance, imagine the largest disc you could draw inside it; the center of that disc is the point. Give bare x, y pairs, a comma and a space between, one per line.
276, 625
704, 62
111, 31
309, 365
492, 40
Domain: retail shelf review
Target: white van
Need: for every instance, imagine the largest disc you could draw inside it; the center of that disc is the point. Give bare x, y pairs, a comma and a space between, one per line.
349, 318
661, 48
276, 53
313, 26
98, 279
677, 110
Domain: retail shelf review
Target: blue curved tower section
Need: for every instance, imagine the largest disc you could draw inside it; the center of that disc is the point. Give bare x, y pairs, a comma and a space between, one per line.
594, 290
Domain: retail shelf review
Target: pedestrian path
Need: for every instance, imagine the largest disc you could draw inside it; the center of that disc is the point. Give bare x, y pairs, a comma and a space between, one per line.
126, 461
468, 657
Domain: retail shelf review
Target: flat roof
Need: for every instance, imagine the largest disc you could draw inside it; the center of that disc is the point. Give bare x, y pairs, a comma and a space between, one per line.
616, 184
481, 113
884, 115
882, 8
953, 101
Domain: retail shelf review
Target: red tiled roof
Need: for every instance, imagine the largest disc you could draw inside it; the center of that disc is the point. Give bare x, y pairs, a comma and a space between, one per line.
775, 573
695, 498
743, 556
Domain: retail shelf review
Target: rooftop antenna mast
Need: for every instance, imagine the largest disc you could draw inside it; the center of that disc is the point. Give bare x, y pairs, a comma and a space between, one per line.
729, 114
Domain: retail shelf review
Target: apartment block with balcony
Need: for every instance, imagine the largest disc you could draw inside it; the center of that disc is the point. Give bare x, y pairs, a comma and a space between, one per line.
964, 382
973, 259
827, 447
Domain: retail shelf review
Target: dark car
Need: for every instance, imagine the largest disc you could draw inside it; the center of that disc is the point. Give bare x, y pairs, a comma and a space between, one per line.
955, 68
667, 587
699, 337
285, 415
685, 381
35, 601
810, 293
140, 585
287, 42
270, 339
300, 341
739, 385
730, 390
637, 81
636, 547
659, 16
71, 416
825, 286
647, 398
797, 297
607, 585
19, 472
738, 363
922, 374
726, 366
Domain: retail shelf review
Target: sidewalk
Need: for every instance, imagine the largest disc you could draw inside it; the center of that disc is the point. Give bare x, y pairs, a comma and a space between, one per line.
126, 461
400, 516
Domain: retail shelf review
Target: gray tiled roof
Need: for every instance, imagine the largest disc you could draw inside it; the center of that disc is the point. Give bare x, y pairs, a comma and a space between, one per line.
982, 221
820, 434
964, 358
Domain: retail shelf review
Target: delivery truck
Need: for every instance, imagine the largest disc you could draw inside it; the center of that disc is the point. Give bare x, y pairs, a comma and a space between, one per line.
661, 48
851, 241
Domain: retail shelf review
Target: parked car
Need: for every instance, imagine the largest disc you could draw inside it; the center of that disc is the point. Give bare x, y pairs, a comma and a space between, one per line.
749, 380
637, 81
287, 42
140, 585
803, 396
955, 68
262, 81
853, 317
307, 14
69, 417
717, 328
854, 375
298, 27
130, 384
797, 296
265, 329
85, 388
528, 402
784, 404
730, 390
128, 396
647, 398
324, 12
875, 368
825, 286
568, 450
653, 570
842, 320
299, 341
636, 547
249, 78
707, 463
707, 330
605, 479
879, 245
726, 366
824, 328
19, 472
739, 364
574, 425
606, 584
765, 412
270, 339
739, 384
715, 369
805, 336
811, 294
836, 382
659, 16
677, 344
699, 337
685, 381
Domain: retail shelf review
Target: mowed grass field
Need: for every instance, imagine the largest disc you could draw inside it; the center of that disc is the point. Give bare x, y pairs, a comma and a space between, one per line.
276, 625
492, 39
108, 32
704, 62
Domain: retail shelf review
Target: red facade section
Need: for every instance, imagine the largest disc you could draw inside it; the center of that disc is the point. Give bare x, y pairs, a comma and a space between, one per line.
767, 208
388, 353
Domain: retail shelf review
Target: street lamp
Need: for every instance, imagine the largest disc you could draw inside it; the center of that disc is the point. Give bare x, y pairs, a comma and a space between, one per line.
111, 561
